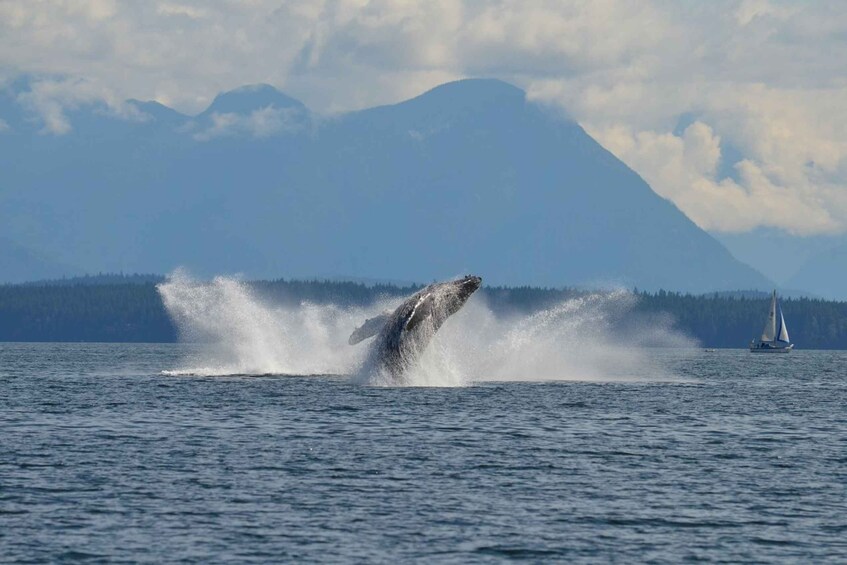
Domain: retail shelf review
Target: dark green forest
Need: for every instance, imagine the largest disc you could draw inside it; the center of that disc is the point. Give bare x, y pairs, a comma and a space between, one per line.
109, 308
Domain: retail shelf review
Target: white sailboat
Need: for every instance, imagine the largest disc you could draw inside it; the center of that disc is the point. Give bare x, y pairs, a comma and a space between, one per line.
775, 335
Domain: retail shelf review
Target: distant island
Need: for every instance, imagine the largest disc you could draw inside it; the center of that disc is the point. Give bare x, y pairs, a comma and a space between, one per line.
128, 308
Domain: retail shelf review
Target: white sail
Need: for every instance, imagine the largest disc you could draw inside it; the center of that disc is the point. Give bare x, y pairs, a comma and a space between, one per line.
775, 335
769, 333
783, 330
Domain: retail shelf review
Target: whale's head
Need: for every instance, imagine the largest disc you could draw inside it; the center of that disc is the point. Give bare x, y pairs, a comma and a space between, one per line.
467, 285
442, 300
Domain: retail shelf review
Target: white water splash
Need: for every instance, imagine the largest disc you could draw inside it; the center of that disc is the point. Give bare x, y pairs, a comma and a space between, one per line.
578, 339
241, 334
582, 338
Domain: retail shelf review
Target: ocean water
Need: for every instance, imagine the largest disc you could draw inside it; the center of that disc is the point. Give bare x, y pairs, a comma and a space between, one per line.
722, 456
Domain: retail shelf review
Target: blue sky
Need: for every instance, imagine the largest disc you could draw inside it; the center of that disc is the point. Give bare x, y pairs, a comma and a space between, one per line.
762, 81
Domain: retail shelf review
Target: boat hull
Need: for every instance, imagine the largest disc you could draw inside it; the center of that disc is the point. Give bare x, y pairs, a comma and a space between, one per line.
767, 348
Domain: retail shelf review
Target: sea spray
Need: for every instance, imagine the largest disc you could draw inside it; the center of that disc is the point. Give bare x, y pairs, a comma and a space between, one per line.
239, 333
591, 337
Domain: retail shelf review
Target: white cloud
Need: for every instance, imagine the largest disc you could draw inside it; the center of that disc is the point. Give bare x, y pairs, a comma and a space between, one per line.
49, 99
171, 9
767, 77
793, 176
683, 169
4, 126
749, 10
264, 122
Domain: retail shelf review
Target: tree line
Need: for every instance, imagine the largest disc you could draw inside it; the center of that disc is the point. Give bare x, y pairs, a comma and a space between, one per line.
129, 309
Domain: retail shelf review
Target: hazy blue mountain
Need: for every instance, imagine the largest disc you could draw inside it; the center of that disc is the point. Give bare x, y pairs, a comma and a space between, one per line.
18, 264
159, 114
10, 107
250, 98
775, 253
824, 274
469, 177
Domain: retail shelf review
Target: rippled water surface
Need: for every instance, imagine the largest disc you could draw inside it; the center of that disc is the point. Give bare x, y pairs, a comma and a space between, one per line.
738, 458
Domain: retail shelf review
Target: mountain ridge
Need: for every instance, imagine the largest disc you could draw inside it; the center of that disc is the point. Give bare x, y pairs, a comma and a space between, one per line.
469, 176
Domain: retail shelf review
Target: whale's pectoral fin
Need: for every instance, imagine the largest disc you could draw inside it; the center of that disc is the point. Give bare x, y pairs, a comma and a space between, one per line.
370, 328
423, 309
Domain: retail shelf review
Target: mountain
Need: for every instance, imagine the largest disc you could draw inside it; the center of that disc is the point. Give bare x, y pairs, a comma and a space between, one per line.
250, 98
775, 253
824, 274
158, 114
468, 177
18, 264
811, 266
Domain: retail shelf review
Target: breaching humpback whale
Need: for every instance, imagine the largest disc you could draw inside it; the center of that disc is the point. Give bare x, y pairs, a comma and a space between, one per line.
403, 335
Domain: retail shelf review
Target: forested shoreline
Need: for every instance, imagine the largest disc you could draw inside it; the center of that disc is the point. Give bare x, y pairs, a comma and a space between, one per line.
129, 309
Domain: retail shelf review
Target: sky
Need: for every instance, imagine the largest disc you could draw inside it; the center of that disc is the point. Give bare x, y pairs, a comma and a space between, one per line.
734, 110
